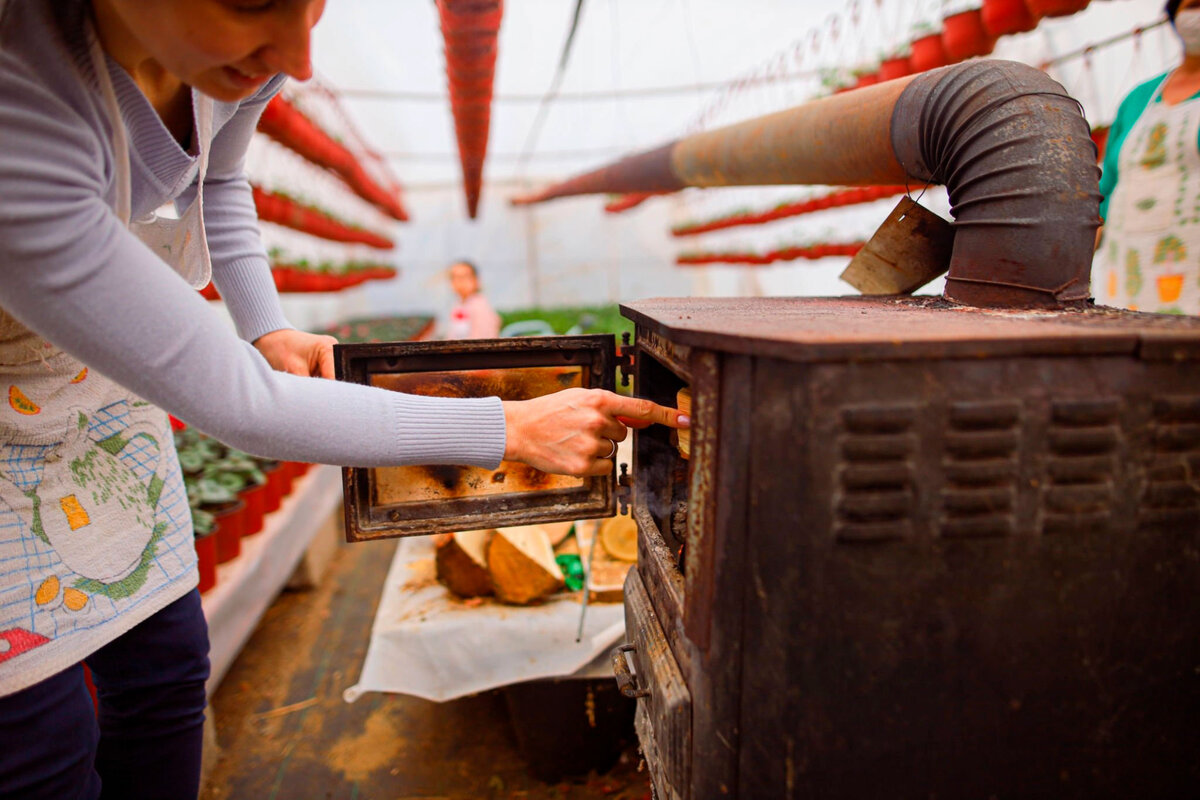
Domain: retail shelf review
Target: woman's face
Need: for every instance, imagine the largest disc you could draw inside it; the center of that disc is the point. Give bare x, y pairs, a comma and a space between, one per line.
226, 49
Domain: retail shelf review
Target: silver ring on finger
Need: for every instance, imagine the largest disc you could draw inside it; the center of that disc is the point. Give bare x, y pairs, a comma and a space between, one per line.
612, 452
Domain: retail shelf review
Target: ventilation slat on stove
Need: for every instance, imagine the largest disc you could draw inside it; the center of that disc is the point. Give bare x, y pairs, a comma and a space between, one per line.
980, 469
876, 497
1082, 442
1172, 492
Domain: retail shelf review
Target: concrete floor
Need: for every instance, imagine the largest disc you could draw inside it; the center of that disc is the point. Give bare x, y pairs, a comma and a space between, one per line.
284, 731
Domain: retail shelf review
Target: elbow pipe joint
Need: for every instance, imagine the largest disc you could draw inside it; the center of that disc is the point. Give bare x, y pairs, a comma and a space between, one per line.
1016, 155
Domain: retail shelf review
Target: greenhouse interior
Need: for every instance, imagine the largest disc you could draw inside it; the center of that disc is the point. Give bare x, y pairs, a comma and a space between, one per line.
673, 399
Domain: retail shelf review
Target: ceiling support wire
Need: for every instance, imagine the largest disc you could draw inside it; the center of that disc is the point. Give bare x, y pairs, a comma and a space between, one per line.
548, 98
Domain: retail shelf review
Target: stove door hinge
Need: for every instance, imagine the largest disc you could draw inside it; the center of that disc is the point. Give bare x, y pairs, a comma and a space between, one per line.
624, 490
625, 359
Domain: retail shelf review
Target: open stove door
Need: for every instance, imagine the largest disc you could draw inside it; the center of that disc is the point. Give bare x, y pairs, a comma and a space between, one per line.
386, 502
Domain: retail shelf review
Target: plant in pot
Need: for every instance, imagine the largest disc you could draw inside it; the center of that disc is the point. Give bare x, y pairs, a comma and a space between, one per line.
1055, 8
896, 63
866, 74
835, 80
204, 528
928, 52
963, 34
1005, 17
253, 491
217, 497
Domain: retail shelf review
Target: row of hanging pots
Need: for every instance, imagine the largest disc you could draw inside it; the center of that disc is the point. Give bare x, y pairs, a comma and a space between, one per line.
291, 278
287, 125
470, 29
789, 253
297, 278
283, 210
967, 34
842, 197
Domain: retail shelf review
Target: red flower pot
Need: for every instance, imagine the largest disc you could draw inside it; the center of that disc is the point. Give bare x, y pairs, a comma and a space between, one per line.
870, 79
964, 37
206, 556
231, 522
1100, 138
1055, 8
255, 499
928, 52
275, 484
1004, 17
893, 68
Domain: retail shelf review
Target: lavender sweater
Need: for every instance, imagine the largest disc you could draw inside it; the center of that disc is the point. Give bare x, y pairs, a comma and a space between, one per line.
71, 272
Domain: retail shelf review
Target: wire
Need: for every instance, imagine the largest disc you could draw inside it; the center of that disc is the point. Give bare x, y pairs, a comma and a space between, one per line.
576, 97
536, 129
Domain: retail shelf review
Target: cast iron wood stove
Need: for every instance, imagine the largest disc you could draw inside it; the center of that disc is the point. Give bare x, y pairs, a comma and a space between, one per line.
918, 549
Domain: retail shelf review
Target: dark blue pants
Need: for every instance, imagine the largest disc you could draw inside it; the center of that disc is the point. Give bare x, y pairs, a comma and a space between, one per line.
145, 745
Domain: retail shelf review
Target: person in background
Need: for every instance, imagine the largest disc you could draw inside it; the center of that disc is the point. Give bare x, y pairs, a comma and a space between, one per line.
108, 110
473, 316
1148, 253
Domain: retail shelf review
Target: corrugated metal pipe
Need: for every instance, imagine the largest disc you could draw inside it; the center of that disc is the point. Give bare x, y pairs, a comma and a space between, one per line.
1010, 145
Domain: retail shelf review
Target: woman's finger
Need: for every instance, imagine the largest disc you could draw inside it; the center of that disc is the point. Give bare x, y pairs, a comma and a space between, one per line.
637, 409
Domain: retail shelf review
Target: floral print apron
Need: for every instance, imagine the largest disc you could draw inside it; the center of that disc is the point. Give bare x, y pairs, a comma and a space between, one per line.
1149, 259
95, 529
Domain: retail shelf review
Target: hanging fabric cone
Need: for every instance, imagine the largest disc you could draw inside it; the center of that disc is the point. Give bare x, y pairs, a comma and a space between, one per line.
470, 29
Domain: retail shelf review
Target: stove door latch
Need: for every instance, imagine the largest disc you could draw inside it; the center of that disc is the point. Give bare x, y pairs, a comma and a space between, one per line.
625, 359
624, 490
626, 679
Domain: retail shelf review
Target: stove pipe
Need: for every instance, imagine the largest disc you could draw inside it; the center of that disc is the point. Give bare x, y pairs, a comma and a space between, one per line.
1010, 145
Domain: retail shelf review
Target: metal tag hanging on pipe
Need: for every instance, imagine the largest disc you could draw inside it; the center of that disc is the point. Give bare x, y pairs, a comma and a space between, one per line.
911, 248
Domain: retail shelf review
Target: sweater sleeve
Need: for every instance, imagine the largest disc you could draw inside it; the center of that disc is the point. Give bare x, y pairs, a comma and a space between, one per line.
1128, 113
71, 272
241, 270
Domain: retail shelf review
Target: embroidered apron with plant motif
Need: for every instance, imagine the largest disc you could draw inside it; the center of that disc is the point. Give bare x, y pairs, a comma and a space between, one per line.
95, 530
1150, 256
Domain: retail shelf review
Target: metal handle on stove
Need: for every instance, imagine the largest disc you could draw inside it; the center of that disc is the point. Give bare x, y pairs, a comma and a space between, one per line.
626, 680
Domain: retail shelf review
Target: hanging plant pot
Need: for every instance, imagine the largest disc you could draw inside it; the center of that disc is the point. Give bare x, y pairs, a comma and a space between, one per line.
866, 79
1055, 8
1100, 138
928, 52
1005, 17
964, 37
893, 68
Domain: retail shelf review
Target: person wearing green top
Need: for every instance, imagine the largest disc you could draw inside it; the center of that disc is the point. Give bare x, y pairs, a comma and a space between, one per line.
1148, 256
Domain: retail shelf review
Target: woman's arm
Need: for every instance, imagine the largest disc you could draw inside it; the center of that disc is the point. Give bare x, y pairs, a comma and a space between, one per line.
74, 274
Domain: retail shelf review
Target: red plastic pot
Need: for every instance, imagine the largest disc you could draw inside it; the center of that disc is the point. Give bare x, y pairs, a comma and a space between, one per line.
964, 37
893, 68
206, 557
255, 499
275, 486
1055, 8
1004, 17
868, 79
1100, 138
928, 52
230, 519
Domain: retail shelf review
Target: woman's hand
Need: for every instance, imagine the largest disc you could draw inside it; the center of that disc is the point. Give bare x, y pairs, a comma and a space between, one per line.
297, 352
573, 432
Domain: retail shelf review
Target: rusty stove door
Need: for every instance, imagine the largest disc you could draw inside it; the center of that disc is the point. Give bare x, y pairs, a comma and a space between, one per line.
385, 502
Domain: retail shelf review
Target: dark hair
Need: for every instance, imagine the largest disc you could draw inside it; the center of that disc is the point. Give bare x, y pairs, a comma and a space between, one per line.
469, 264
1172, 8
